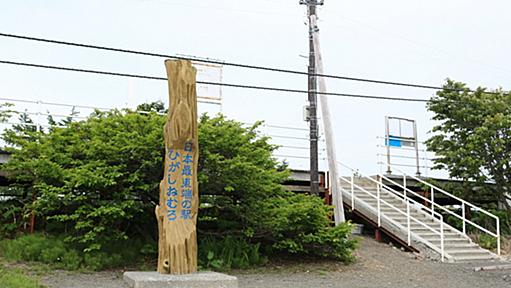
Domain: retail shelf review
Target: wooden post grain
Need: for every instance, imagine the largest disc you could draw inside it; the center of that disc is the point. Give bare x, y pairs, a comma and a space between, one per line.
179, 193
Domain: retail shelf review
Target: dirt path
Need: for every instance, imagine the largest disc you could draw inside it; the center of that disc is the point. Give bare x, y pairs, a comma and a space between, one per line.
378, 265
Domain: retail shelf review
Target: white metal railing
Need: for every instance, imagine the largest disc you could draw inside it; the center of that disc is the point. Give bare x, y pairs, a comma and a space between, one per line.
409, 218
464, 204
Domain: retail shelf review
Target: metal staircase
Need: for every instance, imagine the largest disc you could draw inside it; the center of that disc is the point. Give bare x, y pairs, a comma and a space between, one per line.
400, 214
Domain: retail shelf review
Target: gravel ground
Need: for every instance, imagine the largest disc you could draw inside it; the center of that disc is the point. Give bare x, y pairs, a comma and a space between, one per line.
378, 265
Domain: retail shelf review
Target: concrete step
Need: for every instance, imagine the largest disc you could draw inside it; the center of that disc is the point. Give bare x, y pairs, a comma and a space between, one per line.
429, 233
415, 214
461, 245
374, 191
389, 200
364, 195
402, 216
425, 220
416, 226
470, 254
422, 229
384, 196
471, 258
436, 227
466, 251
452, 236
387, 205
450, 241
374, 201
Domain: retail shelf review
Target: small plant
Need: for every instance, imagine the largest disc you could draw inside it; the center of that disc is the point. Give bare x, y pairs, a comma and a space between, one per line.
485, 241
213, 263
229, 252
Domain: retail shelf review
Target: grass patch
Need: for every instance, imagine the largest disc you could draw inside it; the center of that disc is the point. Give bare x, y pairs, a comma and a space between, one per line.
17, 279
56, 253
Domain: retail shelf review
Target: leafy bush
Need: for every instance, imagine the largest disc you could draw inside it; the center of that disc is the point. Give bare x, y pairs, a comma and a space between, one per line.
301, 224
237, 176
12, 211
96, 182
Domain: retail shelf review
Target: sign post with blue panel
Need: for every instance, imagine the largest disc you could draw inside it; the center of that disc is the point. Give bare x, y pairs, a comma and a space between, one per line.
401, 138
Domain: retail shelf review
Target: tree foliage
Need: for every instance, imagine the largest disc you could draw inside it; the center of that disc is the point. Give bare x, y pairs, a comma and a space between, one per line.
96, 181
473, 137
93, 179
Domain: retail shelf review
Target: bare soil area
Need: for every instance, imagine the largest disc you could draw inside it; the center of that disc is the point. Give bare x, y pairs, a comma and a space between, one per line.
377, 265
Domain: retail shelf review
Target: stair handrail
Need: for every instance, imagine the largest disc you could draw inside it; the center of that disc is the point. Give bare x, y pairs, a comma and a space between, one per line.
408, 190
407, 213
433, 213
464, 203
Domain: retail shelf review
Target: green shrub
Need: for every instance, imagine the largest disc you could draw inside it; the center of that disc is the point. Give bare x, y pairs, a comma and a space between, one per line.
11, 216
301, 224
96, 182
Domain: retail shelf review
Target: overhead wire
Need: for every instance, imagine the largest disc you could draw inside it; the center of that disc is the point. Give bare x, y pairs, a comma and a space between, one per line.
375, 97
73, 116
225, 63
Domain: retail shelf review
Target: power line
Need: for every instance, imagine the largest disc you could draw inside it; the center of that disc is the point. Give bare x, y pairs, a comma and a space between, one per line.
211, 61
266, 88
53, 104
39, 102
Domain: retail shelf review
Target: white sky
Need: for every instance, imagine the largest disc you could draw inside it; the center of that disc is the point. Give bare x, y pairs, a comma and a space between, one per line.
407, 41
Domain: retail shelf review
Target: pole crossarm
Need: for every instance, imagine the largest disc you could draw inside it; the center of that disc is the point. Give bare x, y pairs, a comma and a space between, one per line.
312, 2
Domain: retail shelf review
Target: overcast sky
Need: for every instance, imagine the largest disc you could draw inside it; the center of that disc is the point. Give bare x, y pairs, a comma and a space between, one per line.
408, 41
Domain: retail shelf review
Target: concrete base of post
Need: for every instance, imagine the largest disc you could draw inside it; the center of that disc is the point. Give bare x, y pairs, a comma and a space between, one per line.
194, 280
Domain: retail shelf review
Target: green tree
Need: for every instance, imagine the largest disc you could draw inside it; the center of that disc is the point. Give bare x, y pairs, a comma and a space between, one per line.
473, 138
96, 181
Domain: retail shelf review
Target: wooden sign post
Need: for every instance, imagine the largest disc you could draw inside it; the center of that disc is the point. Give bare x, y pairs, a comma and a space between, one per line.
179, 193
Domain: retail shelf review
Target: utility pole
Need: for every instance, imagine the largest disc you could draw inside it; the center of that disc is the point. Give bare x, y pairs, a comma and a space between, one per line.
313, 99
335, 191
